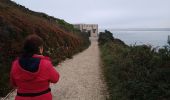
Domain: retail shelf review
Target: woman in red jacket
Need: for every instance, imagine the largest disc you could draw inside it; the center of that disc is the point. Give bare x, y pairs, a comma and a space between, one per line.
32, 73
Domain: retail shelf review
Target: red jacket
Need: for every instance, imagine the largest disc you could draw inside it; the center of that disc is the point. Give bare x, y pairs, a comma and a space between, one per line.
33, 82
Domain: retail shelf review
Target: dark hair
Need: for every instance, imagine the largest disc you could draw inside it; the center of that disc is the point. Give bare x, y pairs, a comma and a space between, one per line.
31, 45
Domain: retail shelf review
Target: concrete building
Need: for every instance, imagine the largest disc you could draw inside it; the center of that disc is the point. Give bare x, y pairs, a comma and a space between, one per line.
91, 28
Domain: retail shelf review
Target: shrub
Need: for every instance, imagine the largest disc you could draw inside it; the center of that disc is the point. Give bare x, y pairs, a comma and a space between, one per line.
136, 72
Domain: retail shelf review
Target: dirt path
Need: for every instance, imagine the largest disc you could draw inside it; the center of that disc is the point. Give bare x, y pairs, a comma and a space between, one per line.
80, 77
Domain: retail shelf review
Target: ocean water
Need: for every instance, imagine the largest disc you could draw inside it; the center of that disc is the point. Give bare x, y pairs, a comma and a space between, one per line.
153, 38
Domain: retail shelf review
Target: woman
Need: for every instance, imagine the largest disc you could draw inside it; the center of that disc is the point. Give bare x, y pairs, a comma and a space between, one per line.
32, 73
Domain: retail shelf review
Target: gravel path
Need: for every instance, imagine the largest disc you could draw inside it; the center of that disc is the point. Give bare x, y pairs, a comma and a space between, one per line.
80, 77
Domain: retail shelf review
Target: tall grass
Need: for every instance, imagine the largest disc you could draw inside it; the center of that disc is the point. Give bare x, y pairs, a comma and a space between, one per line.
135, 72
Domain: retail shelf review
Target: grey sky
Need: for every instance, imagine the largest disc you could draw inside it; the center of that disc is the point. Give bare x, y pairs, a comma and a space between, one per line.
106, 13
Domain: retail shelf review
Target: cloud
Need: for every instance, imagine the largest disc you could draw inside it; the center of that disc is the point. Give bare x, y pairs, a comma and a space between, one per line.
110, 13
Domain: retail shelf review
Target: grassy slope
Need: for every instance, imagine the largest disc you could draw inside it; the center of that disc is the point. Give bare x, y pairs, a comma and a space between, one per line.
135, 72
17, 22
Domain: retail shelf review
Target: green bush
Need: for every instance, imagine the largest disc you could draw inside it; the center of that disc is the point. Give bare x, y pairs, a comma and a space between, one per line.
136, 72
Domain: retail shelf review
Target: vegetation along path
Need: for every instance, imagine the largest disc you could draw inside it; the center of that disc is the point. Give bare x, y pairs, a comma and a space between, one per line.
81, 77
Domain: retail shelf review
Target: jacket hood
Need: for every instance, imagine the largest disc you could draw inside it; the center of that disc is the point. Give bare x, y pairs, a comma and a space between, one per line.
29, 68
30, 64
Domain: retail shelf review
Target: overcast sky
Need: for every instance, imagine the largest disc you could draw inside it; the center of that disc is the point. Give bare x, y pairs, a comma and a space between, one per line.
106, 13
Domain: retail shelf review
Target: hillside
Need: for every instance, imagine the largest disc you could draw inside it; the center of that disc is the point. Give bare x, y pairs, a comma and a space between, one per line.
16, 22
137, 72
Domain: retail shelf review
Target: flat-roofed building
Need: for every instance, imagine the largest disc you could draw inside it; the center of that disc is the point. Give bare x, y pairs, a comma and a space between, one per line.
91, 28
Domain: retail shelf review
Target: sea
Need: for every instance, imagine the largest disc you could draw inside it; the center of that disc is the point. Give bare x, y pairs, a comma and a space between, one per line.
153, 38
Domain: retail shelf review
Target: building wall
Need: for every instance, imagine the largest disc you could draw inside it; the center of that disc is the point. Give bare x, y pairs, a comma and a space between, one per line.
92, 28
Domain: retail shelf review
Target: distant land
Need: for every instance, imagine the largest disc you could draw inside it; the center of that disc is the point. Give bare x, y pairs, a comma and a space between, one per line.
137, 29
